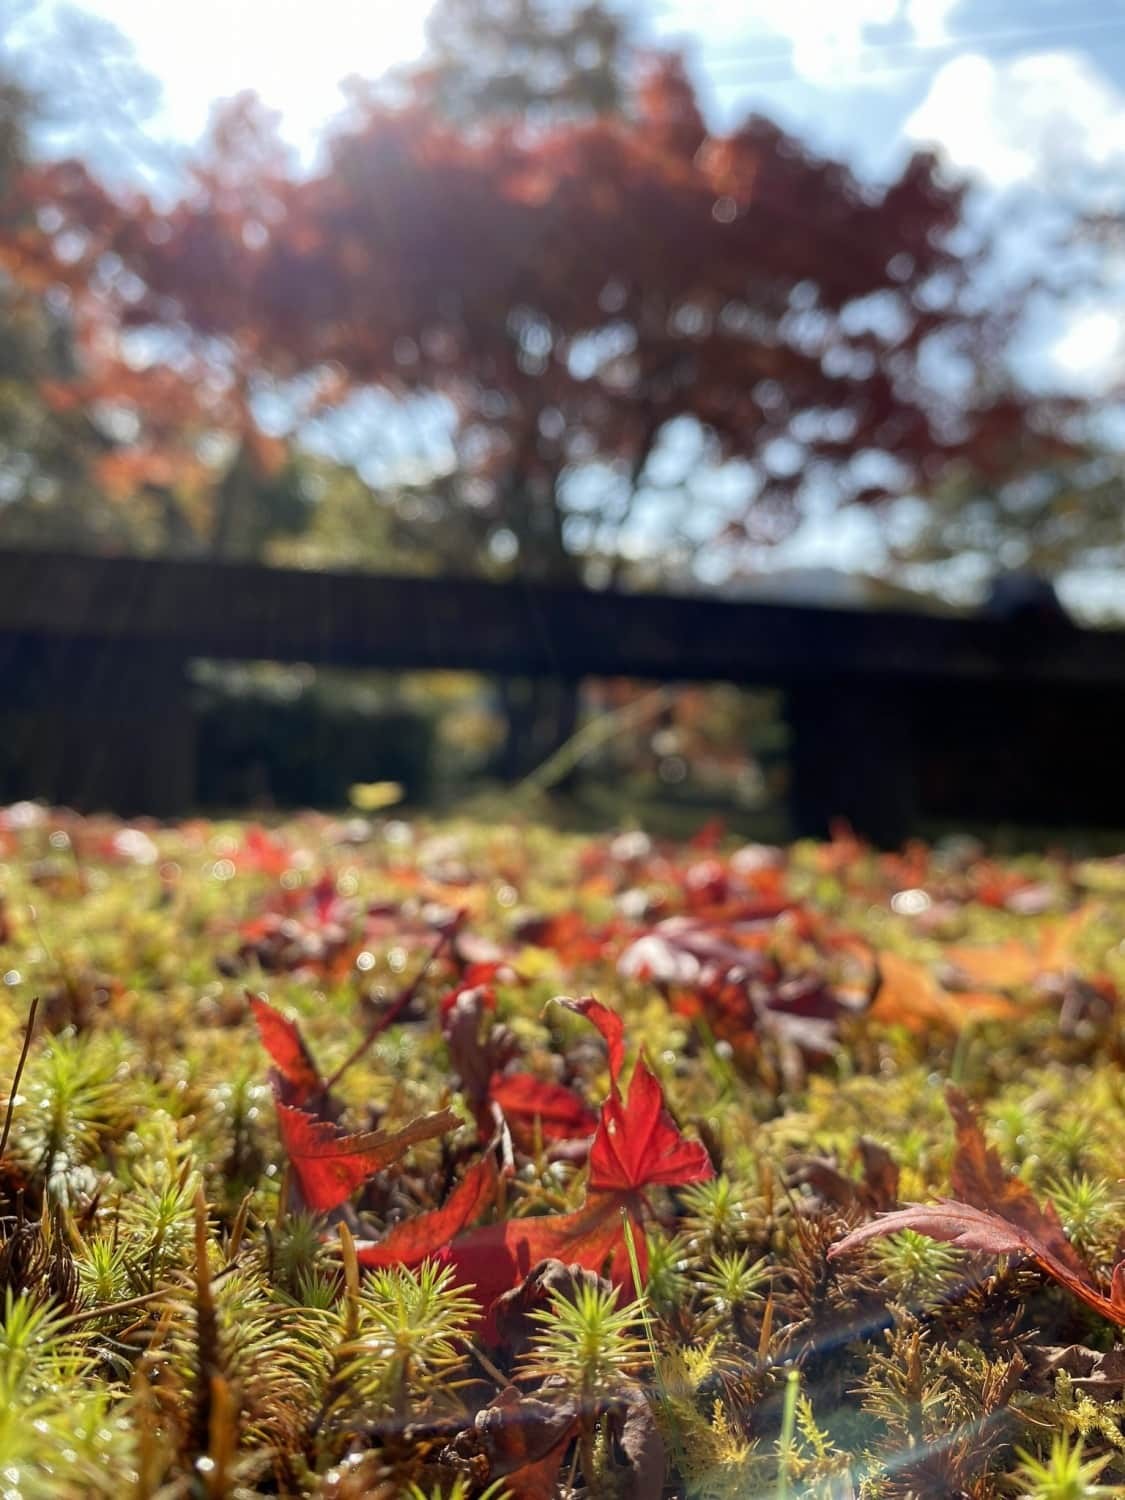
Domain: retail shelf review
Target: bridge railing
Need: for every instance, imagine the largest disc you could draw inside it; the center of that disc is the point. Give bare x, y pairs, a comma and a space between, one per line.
893, 715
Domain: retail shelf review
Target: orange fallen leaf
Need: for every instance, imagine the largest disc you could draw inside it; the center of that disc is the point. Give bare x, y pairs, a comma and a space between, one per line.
998, 966
910, 995
1012, 963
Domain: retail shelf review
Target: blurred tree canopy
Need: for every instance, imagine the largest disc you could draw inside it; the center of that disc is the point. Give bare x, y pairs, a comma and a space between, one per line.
530, 59
607, 341
45, 455
1064, 515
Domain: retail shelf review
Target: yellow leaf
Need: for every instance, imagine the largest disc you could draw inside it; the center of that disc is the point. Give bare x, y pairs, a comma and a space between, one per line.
372, 796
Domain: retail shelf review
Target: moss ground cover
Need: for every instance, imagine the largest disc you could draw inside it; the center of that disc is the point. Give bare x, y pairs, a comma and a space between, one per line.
374, 1158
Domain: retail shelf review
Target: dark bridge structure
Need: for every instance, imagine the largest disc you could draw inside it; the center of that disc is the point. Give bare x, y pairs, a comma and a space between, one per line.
894, 717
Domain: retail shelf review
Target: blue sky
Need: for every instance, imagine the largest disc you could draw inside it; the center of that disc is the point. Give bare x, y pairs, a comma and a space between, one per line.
1026, 97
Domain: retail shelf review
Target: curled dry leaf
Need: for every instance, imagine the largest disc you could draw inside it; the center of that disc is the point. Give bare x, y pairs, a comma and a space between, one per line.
876, 1191
641, 1450
476, 1047
997, 1214
1096, 1373
519, 1439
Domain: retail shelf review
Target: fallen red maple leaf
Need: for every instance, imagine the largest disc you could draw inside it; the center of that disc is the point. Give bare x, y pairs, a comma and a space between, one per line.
286, 1046
570, 935
409, 1243
910, 995
480, 1050
999, 1215
636, 1145
329, 1163
309, 927
739, 968
261, 852
493, 1259
525, 1099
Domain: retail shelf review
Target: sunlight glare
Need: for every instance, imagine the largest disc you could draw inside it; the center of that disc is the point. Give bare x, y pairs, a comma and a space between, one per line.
294, 53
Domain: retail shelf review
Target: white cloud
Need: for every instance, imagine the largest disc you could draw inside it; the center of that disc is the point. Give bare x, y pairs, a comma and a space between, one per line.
292, 52
829, 38
1045, 136
1036, 120
927, 19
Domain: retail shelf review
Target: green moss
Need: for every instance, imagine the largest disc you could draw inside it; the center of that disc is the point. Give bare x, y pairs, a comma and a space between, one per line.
151, 1346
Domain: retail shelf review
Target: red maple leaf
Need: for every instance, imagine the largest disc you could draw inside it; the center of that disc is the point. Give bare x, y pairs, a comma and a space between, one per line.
260, 852
409, 1243
636, 1145
525, 1099
283, 1041
737, 968
329, 1163
996, 1214
481, 1050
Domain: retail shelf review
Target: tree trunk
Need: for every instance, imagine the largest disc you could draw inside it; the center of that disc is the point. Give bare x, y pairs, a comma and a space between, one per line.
542, 714
233, 496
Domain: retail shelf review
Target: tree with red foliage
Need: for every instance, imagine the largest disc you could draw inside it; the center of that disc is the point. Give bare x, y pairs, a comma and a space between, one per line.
109, 437
617, 310
652, 339
653, 342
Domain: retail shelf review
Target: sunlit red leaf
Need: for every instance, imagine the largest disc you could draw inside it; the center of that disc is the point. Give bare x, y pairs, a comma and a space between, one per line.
286, 1046
261, 852
525, 1099
637, 1144
496, 1257
330, 1164
409, 1243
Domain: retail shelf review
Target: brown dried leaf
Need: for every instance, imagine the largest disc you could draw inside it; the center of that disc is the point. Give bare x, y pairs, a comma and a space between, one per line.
522, 1440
